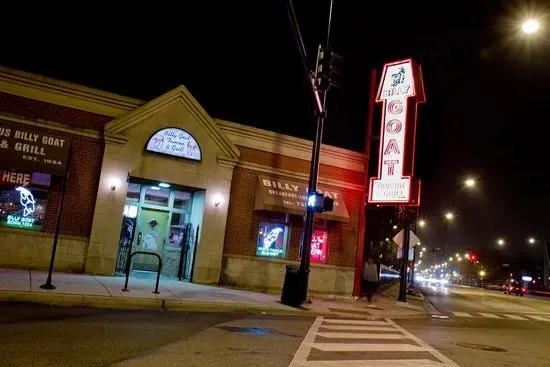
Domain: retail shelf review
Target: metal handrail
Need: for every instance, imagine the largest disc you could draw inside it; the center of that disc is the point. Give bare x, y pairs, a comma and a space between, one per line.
125, 289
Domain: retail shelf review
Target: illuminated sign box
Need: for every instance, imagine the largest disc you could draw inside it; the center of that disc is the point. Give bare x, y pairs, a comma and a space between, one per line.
22, 208
400, 90
174, 142
271, 240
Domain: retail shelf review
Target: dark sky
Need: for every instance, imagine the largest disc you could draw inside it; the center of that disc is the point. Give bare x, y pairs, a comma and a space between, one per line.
487, 86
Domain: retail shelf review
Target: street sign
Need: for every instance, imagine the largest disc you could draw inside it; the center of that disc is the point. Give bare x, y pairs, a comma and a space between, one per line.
401, 89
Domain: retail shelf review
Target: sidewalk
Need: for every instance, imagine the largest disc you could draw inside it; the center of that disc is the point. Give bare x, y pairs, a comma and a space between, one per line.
83, 290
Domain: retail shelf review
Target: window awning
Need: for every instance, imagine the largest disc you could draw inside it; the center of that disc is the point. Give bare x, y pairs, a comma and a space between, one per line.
286, 196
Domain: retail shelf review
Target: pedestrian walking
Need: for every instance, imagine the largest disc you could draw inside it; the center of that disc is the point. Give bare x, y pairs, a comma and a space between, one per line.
370, 276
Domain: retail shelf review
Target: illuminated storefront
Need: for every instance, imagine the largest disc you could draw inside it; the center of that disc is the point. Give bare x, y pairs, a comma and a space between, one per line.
218, 202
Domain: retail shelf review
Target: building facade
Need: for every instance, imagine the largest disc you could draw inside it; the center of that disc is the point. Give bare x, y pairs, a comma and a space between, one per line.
217, 202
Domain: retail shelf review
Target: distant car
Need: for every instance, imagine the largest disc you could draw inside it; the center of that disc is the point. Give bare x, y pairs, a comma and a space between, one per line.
514, 288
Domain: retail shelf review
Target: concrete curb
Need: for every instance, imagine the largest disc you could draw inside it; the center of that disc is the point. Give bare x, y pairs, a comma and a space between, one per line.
77, 300
430, 308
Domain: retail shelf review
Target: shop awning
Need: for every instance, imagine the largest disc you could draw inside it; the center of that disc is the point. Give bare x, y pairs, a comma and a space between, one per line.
286, 196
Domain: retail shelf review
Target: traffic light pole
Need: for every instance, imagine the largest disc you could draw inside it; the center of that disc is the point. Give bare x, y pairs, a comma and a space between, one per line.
299, 285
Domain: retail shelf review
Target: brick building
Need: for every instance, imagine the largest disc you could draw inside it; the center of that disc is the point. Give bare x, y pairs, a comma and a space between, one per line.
217, 201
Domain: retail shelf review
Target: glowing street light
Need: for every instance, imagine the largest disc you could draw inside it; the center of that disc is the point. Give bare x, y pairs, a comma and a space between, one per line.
530, 26
422, 223
394, 227
531, 240
449, 216
423, 249
482, 273
450, 259
470, 182
500, 242
459, 259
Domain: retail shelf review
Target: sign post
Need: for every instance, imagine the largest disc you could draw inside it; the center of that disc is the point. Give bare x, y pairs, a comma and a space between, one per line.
400, 91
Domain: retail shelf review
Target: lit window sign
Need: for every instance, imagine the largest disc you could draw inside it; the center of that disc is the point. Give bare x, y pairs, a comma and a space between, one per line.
174, 142
319, 246
19, 208
271, 240
401, 83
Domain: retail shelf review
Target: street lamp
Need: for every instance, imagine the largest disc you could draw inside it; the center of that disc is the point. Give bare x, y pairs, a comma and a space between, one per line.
500, 242
482, 273
531, 241
530, 26
470, 182
422, 223
449, 216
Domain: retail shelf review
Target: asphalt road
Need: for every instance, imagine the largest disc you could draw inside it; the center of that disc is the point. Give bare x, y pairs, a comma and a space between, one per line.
34, 335
480, 328
486, 328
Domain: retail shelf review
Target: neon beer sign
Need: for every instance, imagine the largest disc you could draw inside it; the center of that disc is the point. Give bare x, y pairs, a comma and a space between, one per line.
401, 89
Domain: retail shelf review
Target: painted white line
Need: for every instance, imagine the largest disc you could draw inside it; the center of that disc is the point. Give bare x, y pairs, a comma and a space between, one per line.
373, 363
360, 328
355, 322
514, 317
462, 314
489, 315
361, 336
539, 318
434, 352
350, 347
305, 348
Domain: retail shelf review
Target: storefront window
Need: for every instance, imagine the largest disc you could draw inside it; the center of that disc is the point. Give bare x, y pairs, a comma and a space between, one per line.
272, 239
157, 196
24, 206
177, 225
182, 200
319, 246
134, 191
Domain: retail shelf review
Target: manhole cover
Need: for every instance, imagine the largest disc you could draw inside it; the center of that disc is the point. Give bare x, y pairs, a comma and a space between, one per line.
485, 347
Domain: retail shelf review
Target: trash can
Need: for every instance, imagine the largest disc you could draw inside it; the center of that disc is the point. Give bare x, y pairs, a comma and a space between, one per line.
295, 286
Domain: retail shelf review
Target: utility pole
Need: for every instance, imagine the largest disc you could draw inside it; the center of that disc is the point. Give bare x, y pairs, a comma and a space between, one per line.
295, 287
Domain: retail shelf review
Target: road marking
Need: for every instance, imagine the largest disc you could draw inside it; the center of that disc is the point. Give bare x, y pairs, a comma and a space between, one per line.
351, 347
360, 328
514, 317
462, 314
489, 315
385, 342
539, 318
361, 336
373, 363
355, 322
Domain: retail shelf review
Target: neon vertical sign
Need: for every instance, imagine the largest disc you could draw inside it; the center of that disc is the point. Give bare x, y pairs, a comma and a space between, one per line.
401, 89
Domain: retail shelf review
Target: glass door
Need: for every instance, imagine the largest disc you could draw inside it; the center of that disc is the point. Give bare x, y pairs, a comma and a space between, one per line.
151, 237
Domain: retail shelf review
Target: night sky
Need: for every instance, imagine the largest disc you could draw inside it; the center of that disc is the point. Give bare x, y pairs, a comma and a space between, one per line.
487, 85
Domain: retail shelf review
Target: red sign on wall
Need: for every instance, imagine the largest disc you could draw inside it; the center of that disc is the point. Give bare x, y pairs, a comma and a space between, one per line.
319, 246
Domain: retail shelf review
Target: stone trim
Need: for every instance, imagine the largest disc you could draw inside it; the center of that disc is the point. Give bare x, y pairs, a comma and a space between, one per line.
286, 261
281, 144
260, 168
53, 126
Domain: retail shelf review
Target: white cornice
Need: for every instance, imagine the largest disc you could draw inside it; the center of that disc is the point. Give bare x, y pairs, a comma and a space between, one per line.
268, 141
65, 94
176, 95
298, 175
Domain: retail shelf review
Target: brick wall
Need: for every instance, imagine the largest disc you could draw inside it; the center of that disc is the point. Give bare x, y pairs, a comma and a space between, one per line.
243, 221
34, 110
85, 167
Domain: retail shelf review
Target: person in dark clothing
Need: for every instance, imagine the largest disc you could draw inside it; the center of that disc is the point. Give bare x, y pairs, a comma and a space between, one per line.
370, 276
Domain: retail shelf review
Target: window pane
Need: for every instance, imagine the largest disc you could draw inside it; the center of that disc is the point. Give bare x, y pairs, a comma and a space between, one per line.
155, 195
177, 226
23, 207
182, 200
272, 239
319, 246
132, 196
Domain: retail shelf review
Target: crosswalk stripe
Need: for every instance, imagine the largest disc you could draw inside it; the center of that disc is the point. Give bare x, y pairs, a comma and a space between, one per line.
361, 328
337, 335
514, 317
352, 347
539, 318
489, 315
461, 314
373, 363
354, 322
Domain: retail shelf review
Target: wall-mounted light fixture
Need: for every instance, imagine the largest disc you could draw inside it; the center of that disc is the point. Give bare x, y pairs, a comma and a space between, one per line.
217, 200
113, 183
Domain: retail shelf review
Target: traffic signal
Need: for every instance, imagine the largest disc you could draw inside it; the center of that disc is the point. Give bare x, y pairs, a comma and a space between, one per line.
323, 69
320, 203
